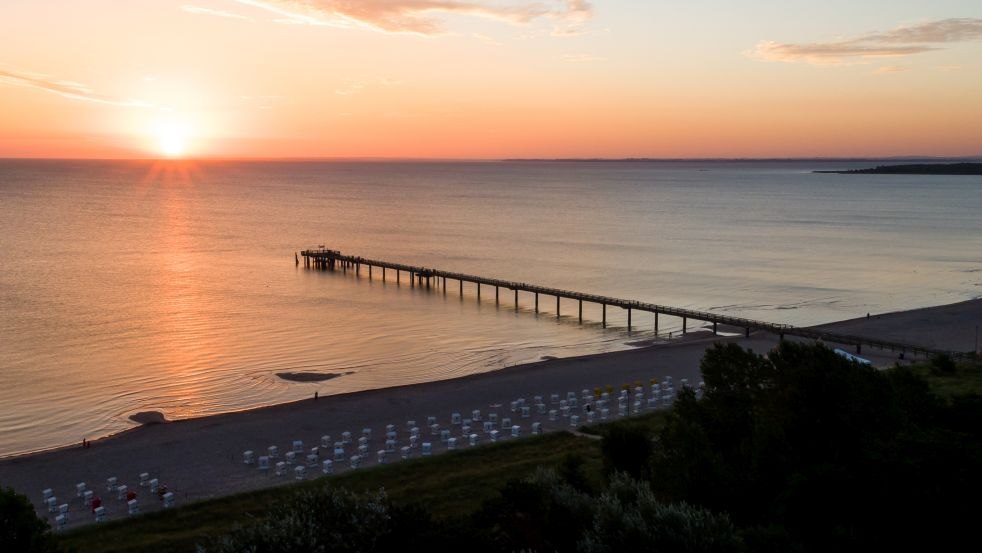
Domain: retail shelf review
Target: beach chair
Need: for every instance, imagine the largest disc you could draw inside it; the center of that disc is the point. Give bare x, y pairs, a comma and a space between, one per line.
363, 450
513, 406
444, 435
45, 494
362, 440
552, 414
390, 428
536, 428
434, 429
87, 496
61, 521
313, 461
589, 417
427, 449
565, 411
451, 444
622, 410
290, 457
516, 431
390, 446
248, 457
473, 439
111, 484
132, 507
79, 489
300, 472
430, 420
465, 430
339, 454
380, 456
273, 451
406, 452
327, 466
455, 418
63, 510
169, 500
540, 408
526, 411
493, 417
280, 468
264, 464
476, 415
494, 436
488, 427
100, 514
637, 406
346, 437
315, 451
574, 421
554, 399
413, 431
413, 440
121, 491
154, 485
572, 403
326, 441
353, 461
505, 423
144, 479
411, 423
367, 433
298, 446
652, 403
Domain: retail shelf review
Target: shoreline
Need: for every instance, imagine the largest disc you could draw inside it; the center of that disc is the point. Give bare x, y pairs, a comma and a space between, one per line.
201, 458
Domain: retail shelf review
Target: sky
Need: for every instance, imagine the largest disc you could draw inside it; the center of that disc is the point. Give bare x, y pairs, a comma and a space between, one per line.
488, 79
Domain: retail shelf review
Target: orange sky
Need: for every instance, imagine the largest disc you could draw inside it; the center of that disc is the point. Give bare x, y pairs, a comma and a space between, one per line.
488, 78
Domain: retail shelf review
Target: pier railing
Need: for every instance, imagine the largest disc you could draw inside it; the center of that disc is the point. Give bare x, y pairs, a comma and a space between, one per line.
323, 258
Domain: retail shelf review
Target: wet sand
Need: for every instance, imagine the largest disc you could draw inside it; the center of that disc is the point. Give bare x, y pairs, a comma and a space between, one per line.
202, 458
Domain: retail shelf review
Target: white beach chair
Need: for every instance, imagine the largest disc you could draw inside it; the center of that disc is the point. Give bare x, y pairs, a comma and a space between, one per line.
473, 439
111, 484
565, 411
410, 423
264, 464
476, 415
100, 514
273, 451
326, 441
327, 466
390, 446
493, 417
315, 451
87, 496
413, 431
363, 450
121, 491
79, 489
434, 429
604, 414
313, 460
60, 522
63, 510
552, 414
589, 417
574, 421
45, 494
413, 440
451, 444
455, 418
406, 452
298, 446
363, 440
444, 435
494, 436
346, 437
391, 435
430, 420
390, 428
516, 431
380, 456
367, 433
354, 461
526, 411
154, 485
300, 472
554, 399
144, 479
514, 406
291, 457
426, 450
248, 457
536, 428
132, 507
169, 500
622, 410
280, 468
540, 408
505, 423
488, 427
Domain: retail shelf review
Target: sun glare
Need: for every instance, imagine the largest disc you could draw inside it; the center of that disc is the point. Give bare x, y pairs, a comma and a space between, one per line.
172, 140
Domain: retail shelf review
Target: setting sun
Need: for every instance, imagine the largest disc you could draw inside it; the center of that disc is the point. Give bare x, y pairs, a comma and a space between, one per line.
172, 139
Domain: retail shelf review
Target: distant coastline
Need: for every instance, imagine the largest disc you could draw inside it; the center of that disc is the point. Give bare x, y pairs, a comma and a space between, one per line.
916, 169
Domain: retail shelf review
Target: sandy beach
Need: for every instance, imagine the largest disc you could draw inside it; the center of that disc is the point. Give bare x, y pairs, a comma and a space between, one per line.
202, 458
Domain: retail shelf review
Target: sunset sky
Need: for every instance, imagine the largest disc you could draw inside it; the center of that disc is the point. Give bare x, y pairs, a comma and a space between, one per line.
489, 78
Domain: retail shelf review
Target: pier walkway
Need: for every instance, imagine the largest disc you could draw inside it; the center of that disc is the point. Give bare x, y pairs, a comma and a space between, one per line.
326, 259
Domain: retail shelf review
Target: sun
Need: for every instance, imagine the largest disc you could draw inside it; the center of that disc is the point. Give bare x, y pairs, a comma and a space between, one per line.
172, 139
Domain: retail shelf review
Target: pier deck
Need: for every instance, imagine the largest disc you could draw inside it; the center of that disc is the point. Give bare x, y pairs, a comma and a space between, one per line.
327, 259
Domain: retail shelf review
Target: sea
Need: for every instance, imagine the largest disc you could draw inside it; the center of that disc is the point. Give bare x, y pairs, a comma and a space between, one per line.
130, 286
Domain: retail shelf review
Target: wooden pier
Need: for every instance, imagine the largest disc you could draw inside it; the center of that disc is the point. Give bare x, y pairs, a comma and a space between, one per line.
326, 259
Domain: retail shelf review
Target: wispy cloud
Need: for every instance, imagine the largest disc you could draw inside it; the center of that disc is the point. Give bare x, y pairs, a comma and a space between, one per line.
355, 85
198, 10
582, 58
897, 42
419, 16
890, 70
68, 89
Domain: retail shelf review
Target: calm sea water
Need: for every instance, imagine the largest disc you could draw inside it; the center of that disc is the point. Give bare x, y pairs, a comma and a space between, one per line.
130, 286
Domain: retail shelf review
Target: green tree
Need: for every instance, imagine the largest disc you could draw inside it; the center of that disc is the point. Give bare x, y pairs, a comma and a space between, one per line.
20, 528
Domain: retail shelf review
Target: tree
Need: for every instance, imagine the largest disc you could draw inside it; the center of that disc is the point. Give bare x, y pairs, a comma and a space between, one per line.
20, 528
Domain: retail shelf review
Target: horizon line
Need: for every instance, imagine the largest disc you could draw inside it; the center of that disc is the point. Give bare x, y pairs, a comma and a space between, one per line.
913, 157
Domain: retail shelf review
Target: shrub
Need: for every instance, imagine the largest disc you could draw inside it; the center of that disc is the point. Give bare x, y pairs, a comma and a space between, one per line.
20, 528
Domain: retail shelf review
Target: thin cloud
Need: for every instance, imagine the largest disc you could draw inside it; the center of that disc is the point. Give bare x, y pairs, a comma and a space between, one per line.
198, 10
418, 16
898, 42
67, 89
890, 70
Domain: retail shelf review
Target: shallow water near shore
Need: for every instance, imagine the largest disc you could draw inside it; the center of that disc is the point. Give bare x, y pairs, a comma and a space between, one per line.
172, 287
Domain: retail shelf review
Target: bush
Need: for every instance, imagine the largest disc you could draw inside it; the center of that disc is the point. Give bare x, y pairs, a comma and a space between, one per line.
943, 364
627, 448
20, 528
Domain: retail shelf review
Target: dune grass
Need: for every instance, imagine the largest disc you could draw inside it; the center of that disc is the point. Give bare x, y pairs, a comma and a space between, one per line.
449, 484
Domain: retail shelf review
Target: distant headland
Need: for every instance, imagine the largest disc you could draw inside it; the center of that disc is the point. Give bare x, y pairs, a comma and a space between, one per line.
917, 169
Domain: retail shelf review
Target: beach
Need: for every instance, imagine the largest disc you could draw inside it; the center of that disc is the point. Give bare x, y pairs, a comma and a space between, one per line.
202, 458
